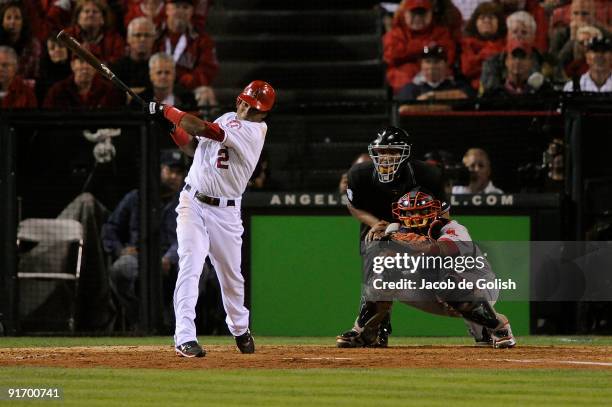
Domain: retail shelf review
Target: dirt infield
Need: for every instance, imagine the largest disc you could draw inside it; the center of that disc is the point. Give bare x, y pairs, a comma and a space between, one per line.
314, 356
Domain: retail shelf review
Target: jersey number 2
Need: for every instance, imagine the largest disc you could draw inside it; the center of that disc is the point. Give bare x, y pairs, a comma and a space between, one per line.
223, 158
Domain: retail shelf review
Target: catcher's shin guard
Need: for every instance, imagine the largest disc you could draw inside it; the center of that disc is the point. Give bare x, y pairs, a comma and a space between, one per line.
496, 325
480, 312
384, 331
367, 329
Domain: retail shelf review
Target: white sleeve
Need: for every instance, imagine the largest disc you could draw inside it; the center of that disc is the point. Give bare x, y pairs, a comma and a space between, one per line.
455, 232
202, 140
569, 87
458, 234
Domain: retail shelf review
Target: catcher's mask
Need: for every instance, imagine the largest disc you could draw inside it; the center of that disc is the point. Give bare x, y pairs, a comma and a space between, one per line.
416, 209
388, 151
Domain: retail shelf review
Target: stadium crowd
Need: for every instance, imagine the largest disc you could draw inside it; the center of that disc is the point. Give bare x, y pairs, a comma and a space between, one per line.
128, 35
500, 47
473, 47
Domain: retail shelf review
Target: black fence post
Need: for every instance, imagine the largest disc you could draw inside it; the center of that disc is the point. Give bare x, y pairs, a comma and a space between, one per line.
575, 181
149, 251
8, 233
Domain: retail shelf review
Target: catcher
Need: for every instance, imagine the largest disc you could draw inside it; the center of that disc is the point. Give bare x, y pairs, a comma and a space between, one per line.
422, 229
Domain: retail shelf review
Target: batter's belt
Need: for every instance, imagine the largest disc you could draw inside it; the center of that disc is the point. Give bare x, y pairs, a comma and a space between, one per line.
209, 200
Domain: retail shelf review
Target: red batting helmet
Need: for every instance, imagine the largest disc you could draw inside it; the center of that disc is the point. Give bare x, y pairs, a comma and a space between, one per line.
259, 94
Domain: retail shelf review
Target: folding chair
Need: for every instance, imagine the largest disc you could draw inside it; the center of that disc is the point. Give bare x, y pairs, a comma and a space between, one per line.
50, 254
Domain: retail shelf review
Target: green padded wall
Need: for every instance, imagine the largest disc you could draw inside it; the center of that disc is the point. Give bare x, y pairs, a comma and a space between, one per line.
305, 276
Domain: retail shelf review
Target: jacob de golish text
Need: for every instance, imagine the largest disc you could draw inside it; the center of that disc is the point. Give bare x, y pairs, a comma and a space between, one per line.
411, 264
424, 284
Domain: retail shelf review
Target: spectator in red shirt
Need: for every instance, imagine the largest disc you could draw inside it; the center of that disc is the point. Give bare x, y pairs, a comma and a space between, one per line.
193, 53
91, 26
200, 14
521, 75
552, 5
84, 88
539, 14
14, 92
484, 37
47, 16
15, 32
447, 14
412, 30
152, 9
521, 27
58, 13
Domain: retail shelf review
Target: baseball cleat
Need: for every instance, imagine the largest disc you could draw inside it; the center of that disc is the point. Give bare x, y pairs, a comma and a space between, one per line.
245, 342
383, 338
502, 338
190, 350
354, 339
349, 339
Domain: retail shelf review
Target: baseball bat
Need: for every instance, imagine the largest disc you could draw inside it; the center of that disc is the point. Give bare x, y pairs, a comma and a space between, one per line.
88, 57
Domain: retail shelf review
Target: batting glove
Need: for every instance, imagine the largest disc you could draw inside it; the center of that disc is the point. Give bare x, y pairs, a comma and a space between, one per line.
155, 109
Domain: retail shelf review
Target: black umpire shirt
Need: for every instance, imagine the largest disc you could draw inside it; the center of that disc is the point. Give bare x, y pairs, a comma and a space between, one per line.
367, 193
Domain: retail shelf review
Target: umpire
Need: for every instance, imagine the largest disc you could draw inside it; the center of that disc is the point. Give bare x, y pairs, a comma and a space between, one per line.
372, 189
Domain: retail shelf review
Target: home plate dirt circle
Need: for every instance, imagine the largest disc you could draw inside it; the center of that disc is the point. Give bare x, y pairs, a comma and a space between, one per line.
314, 356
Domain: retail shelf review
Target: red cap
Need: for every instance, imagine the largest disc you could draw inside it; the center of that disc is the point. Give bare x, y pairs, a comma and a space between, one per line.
412, 4
514, 44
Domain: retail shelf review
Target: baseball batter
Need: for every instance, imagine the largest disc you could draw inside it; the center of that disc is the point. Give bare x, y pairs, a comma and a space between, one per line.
209, 224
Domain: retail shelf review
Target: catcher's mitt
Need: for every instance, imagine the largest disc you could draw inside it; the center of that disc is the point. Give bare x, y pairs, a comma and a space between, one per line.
414, 241
409, 237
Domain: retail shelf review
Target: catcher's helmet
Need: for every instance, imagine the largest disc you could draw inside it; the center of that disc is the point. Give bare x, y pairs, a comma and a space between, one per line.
259, 94
388, 151
416, 209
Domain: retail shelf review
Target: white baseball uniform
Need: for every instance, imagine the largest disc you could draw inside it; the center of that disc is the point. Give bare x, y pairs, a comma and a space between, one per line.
455, 232
458, 234
219, 170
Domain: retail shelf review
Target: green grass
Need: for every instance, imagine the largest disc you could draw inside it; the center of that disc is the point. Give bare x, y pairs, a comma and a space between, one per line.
307, 387
320, 387
28, 341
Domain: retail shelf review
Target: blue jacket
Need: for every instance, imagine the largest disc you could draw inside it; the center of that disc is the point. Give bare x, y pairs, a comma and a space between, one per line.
123, 227
412, 91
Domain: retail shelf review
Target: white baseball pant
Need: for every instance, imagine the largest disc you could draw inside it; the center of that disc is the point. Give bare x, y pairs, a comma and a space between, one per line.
205, 230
